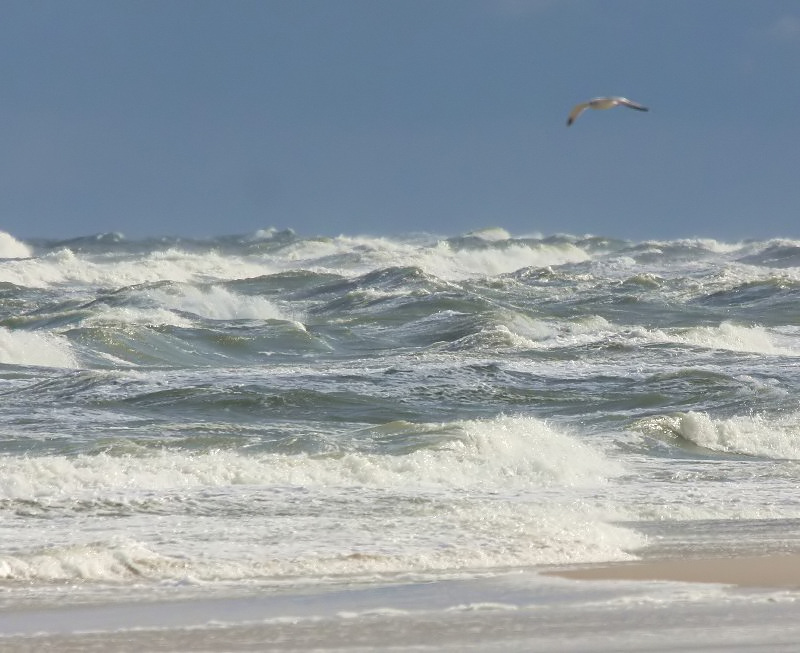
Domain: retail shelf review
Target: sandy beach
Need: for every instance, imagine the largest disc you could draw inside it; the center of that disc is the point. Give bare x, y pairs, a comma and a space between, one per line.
769, 571
736, 603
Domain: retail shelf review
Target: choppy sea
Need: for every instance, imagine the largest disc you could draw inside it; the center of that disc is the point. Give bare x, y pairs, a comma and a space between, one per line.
276, 411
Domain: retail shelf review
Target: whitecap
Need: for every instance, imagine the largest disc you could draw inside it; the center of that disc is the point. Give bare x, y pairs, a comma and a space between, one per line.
496, 454
35, 348
490, 234
733, 337
10, 247
350, 256
218, 303
751, 435
64, 266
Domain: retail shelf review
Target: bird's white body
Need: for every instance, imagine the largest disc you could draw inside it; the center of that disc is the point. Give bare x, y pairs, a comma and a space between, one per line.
602, 103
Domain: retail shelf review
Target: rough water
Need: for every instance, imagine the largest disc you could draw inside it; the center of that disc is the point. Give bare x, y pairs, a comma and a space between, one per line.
281, 411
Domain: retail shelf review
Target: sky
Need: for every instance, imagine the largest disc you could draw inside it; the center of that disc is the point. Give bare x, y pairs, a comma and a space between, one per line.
387, 117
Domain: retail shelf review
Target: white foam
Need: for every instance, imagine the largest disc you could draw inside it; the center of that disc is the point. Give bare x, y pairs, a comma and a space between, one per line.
733, 337
67, 267
336, 534
727, 336
35, 348
530, 328
523, 332
506, 453
708, 244
751, 435
491, 234
458, 264
348, 256
210, 302
10, 247
112, 560
217, 303
495, 337
451, 537
440, 259
492, 495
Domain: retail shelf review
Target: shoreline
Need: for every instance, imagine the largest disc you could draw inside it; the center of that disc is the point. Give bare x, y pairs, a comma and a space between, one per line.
777, 571
504, 614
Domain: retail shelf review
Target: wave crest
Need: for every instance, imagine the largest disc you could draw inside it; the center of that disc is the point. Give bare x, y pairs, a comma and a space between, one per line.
749, 435
32, 348
10, 247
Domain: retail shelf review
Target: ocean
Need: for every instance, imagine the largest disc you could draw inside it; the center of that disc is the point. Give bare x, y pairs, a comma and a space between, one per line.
309, 435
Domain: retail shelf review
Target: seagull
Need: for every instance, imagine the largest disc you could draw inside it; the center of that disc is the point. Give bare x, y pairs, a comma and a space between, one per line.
602, 103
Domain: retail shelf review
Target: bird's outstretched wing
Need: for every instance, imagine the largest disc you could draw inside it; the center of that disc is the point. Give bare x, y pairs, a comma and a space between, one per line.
633, 105
577, 110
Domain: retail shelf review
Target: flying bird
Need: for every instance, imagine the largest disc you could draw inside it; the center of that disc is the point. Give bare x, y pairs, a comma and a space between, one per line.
602, 103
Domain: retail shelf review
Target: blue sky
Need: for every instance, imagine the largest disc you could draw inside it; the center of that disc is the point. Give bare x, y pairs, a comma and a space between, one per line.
197, 118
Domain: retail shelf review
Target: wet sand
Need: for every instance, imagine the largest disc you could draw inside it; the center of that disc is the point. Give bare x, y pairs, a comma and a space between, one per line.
769, 571
751, 607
